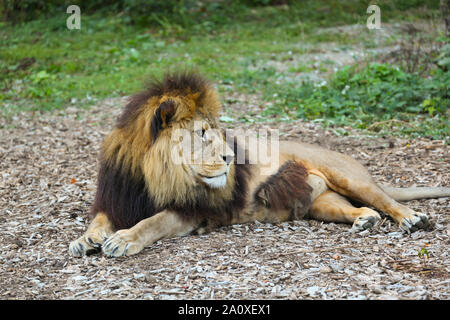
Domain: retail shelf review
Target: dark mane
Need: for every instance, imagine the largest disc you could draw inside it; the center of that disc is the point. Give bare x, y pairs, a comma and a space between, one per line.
286, 189
123, 197
174, 83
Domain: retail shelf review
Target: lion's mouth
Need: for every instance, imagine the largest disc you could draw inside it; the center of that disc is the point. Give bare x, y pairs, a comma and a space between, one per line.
217, 181
212, 177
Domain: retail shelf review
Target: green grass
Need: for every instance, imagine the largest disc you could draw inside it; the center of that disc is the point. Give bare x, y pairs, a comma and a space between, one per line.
111, 57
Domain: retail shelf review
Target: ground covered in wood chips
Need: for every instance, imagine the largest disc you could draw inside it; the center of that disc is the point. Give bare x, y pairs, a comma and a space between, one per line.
48, 169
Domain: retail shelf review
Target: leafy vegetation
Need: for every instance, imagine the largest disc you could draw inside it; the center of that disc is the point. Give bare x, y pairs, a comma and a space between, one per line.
372, 96
45, 66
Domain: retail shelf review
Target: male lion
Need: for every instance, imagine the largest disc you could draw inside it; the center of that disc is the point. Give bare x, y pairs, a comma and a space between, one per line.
144, 195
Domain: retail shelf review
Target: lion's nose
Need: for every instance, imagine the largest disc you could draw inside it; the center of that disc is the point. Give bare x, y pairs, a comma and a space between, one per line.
228, 159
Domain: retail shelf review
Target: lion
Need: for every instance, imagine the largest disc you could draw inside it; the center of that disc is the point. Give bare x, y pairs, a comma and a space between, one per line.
167, 169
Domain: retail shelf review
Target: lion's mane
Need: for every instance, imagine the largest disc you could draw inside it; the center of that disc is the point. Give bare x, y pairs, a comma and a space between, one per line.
137, 178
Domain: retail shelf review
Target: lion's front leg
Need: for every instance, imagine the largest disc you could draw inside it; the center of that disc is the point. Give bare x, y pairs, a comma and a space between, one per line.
165, 224
98, 231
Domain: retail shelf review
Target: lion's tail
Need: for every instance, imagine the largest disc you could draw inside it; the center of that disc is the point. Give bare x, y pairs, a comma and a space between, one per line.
414, 193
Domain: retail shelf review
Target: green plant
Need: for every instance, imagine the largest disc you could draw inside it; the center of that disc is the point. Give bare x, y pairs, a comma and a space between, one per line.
443, 60
424, 255
374, 97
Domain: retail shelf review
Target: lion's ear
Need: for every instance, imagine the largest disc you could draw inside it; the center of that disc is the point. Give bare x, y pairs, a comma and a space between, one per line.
161, 118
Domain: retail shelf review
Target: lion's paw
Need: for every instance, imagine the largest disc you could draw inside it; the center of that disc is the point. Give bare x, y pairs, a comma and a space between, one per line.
122, 243
84, 245
414, 222
365, 222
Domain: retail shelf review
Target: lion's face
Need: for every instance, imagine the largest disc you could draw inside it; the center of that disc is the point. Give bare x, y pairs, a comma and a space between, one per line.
205, 155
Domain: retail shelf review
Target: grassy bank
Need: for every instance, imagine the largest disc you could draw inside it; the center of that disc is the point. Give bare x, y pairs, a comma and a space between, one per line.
45, 66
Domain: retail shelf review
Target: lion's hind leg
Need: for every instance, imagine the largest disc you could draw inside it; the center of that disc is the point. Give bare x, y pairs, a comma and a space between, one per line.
352, 180
332, 207
90, 242
368, 192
